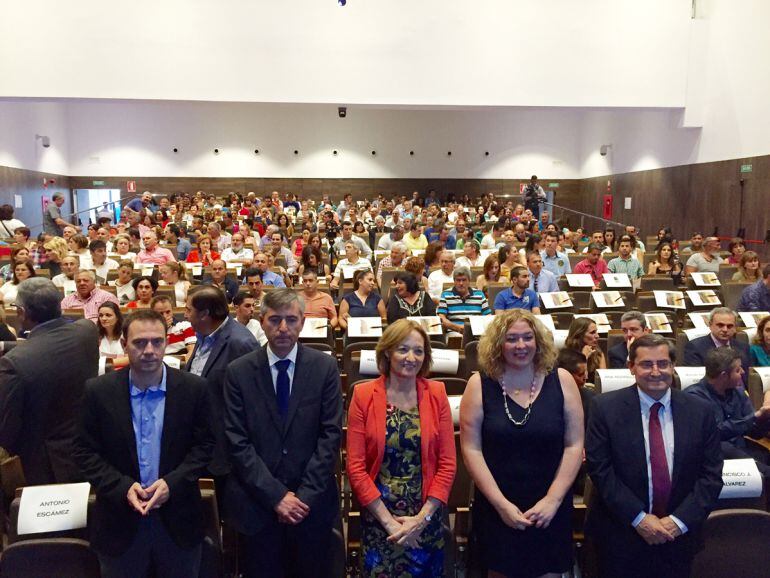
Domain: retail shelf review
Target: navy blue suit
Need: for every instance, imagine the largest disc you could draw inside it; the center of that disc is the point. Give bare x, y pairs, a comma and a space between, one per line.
617, 464
695, 353
618, 356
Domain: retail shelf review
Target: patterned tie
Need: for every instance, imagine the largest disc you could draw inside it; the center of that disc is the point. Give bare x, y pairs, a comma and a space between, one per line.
537, 277
661, 480
282, 386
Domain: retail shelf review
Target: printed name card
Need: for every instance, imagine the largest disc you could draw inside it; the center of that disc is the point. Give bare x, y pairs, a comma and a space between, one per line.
454, 406
705, 298
579, 280
764, 375
699, 319
705, 279
669, 299
148, 270
613, 379
479, 323
560, 338
740, 479
368, 364
695, 332
173, 362
689, 375
364, 327
547, 320
445, 361
752, 318
53, 508
608, 299
431, 324
195, 268
313, 329
617, 280
658, 323
235, 267
601, 320
556, 300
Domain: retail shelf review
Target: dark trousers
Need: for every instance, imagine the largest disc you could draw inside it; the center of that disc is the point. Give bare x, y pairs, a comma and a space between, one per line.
670, 560
152, 545
282, 550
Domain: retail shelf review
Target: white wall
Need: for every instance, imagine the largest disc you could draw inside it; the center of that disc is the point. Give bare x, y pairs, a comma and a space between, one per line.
433, 52
20, 122
137, 138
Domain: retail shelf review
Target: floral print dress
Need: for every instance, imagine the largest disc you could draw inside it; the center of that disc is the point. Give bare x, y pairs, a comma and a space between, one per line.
400, 484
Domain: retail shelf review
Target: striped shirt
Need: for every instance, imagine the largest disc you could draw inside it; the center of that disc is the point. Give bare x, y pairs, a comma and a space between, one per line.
457, 309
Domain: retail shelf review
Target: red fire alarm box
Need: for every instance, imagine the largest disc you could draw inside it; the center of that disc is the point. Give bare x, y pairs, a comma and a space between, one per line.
607, 207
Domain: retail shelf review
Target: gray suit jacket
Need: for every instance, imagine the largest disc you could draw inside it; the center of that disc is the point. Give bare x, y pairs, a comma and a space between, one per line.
233, 341
271, 455
42, 381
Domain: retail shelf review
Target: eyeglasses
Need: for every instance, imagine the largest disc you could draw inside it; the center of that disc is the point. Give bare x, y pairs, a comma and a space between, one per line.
662, 364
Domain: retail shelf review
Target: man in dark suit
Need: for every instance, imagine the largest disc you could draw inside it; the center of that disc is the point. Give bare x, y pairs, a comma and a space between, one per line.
41, 384
283, 419
221, 340
634, 325
722, 329
653, 454
144, 441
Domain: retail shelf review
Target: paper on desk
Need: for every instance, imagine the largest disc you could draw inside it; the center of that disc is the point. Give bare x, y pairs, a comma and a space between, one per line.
740, 479
445, 361
546, 320
579, 280
608, 299
617, 280
764, 375
613, 379
368, 364
695, 332
658, 323
705, 279
479, 323
707, 297
454, 406
364, 327
700, 319
556, 300
752, 318
689, 375
313, 328
430, 323
669, 299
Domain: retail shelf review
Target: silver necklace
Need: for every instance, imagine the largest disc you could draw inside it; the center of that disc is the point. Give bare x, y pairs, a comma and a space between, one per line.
525, 419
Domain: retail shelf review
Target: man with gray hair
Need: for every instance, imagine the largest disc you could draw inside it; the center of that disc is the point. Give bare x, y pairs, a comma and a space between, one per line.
283, 418
722, 330
395, 236
42, 380
457, 304
87, 296
395, 259
722, 388
53, 224
634, 325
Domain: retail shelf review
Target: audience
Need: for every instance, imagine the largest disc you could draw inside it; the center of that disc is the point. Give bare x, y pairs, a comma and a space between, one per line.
593, 264
87, 296
722, 331
438, 278
749, 268
759, 351
583, 337
363, 301
459, 303
518, 295
707, 260
756, 297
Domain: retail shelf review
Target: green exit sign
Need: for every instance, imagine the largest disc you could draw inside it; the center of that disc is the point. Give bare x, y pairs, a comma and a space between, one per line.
553, 185
746, 168
98, 183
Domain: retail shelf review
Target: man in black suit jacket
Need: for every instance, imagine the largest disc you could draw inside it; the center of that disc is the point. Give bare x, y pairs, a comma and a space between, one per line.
634, 325
283, 420
221, 340
143, 442
41, 384
722, 327
653, 454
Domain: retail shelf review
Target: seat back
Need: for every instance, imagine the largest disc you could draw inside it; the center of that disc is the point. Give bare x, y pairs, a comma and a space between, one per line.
731, 293
472, 356
735, 545
656, 283
46, 557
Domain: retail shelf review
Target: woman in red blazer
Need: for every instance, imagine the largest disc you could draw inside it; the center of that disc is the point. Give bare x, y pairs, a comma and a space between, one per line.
401, 457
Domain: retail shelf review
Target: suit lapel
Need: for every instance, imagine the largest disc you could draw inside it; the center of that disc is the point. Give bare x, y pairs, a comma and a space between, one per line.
122, 399
218, 347
265, 386
299, 385
681, 439
638, 453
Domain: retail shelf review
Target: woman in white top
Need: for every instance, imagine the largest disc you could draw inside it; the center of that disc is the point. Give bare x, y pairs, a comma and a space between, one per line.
18, 255
110, 326
122, 246
175, 275
347, 267
7, 223
21, 271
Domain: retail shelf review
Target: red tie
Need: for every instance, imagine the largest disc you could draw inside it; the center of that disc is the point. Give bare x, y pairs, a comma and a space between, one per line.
661, 480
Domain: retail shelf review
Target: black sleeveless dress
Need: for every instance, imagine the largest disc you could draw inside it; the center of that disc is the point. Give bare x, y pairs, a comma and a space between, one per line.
523, 460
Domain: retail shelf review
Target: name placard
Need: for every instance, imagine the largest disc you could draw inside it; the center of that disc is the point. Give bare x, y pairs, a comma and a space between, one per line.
752, 318
454, 406
556, 300
690, 375
53, 508
617, 280
658, 323
704, 298
764, 375
368, 364
579, 280
445, 361
364, 327
700, 319
479, 323
705, 279
612, 379
601, 320
740, 479
314, 328
669, 299
430, 323
546, 320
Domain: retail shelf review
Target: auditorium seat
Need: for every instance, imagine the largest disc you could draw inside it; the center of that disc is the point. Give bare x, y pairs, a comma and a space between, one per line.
735, 545
71, 558
731, 292
656, 283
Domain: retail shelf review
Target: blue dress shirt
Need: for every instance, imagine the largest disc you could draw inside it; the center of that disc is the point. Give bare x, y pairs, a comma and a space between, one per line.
147, 411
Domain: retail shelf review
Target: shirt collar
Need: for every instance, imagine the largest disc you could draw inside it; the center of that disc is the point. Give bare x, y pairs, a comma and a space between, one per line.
717, 342
136, 392
647, 402
211, 337
272, 358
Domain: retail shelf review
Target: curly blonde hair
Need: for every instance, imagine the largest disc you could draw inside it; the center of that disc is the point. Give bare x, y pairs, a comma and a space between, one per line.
491, 345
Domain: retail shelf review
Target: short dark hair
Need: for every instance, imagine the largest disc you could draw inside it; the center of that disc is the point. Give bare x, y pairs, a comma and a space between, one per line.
719, 360
136, 280
97, 244
174, 229
595, 247
211, 299
517, 270
409, 279
651, 340
241, 296
23, 231
569, 359
160, 299
143, 315
252, 272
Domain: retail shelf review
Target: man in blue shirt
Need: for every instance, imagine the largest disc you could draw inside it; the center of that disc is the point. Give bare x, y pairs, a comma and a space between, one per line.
271, 278
174, 237
553, 261
540, 280
167, 412
756, 297
519, 296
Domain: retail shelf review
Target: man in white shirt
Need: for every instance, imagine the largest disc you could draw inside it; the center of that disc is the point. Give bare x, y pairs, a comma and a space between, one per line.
236, 252
99, 261
66, 279
438, 278
244, 303
387, 241
490, 240
347, 236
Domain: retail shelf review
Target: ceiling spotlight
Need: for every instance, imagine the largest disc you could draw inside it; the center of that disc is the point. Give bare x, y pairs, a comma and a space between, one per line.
449, 153
334, 152
176, 150
256, 151
342, 111
486, 153
374, 153
296, 152
44, 140
411, 153
216, 151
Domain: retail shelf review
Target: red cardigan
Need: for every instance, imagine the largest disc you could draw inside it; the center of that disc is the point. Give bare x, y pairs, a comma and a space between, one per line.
366, 439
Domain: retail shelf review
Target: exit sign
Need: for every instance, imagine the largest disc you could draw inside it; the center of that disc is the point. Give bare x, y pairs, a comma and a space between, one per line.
746, 168
553, 185
98, 183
